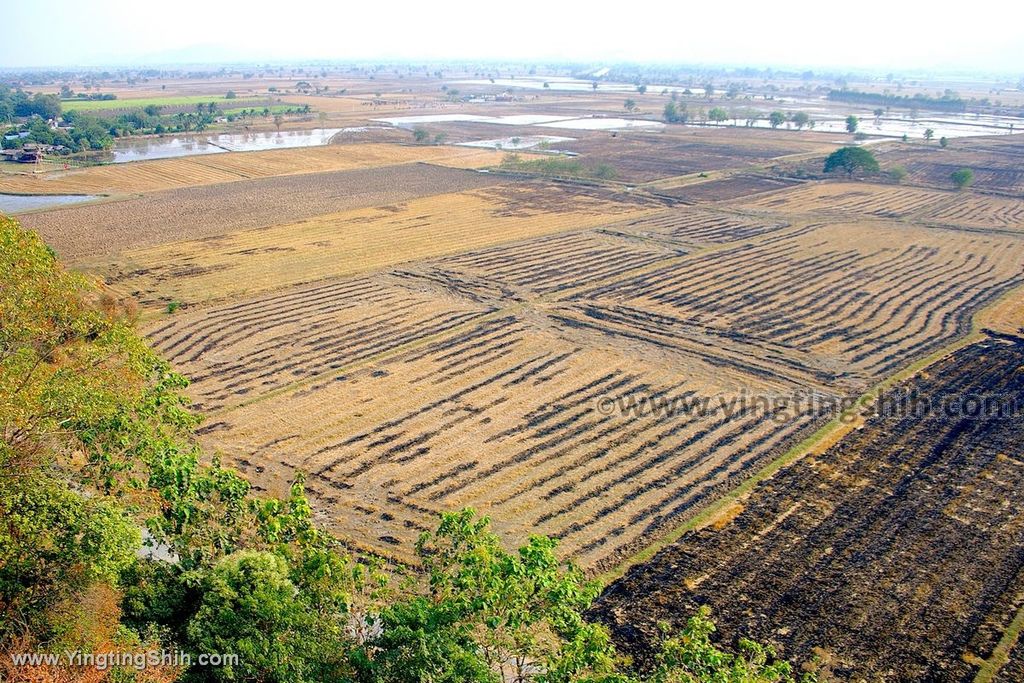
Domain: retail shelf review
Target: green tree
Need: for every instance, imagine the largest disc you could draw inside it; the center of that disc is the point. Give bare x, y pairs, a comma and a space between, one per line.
691, 657
675, 113
851, 123
72, 380
943, 142
420, 134
629, 105
851, 160
776, 119
929, 134
800, 119
251, 607
516, 604
718, 115
962, 178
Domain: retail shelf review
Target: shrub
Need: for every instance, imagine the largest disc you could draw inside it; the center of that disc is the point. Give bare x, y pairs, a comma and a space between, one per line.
962, 178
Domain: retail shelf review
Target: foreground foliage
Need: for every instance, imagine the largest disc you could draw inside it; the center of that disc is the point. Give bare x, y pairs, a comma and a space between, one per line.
97, 449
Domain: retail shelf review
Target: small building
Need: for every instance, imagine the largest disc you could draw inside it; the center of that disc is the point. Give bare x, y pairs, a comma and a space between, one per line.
29, 154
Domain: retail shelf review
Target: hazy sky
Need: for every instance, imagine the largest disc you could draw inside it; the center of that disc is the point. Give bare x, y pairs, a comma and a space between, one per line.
889, 35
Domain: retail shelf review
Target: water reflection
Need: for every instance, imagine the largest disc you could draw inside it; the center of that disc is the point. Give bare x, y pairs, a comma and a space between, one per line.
182, 146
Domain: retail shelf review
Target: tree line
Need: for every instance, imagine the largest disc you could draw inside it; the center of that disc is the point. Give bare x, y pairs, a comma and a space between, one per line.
918, 101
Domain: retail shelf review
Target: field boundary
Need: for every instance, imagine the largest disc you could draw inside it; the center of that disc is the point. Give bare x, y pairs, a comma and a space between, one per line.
991, 667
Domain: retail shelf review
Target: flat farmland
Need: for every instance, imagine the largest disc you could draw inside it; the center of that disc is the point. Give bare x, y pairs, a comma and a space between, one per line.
208, 169
697, 227
738, 186
963, 209
194, 213
646, 157
234, 353
981, 212
349, 242
475, 378
998, 164
898, 550
841, 199
551, 265
641, 157
504, 416
838, 302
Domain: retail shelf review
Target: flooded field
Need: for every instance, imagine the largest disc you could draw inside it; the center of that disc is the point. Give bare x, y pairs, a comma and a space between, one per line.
17, 203
558, 83
831, 118
522, 142
166, 148
611, 123
541, 120
510, 120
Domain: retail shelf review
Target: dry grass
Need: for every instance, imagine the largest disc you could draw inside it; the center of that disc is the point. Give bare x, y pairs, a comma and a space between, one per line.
350, 242
885, 201
502, 416
165, 174
979, 211
847, 302
474, 379
211, 210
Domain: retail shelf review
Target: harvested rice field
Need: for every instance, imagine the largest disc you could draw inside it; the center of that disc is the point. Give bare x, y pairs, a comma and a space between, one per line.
186, 214
834, 302
839, 199
166, 174
349, 242
997, 164
659, 342
501, 414
484, 377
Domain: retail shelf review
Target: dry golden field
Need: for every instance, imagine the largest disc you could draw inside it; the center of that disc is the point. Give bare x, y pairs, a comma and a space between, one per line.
349, 242
208, 169
477, 378
841, 199
500, 412
645, 363
106, 229
979, 211
957, 209
833, 303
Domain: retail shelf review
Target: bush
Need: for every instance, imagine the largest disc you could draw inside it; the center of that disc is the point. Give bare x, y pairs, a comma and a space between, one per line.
898, 173
962, 178
560, 167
